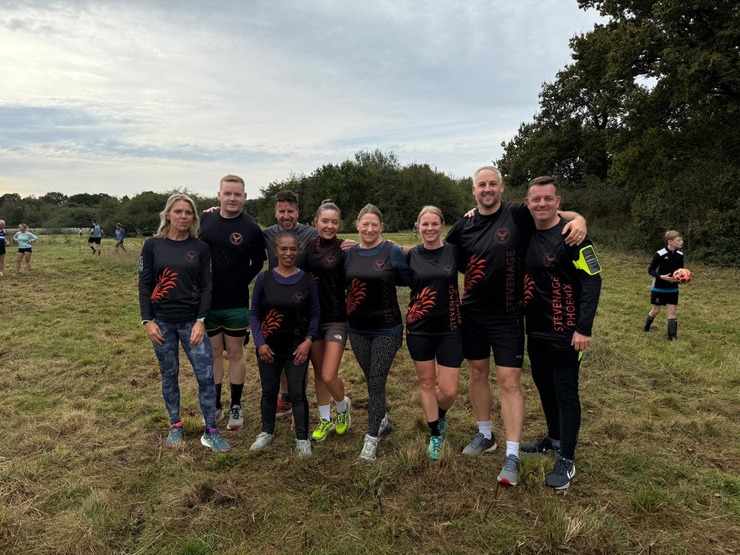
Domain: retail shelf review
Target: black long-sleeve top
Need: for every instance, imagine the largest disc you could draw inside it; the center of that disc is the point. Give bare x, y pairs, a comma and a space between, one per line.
175, 282
561, 294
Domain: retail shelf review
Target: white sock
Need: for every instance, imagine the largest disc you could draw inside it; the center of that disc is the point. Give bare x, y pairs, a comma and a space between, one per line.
485, 429
325, 412
512, 448
341, 406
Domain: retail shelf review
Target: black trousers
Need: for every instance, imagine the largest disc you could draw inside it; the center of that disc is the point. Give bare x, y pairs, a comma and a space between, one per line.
555, 368
270, 377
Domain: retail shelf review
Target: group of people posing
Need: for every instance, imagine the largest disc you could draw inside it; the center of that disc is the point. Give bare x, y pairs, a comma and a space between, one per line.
320, 290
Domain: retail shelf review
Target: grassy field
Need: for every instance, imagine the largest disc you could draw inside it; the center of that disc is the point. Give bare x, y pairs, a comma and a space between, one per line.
83, 470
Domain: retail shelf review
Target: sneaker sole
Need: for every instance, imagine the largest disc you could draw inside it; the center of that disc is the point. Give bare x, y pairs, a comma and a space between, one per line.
561, 488
319, 440
206, 444
233, 427
491, 449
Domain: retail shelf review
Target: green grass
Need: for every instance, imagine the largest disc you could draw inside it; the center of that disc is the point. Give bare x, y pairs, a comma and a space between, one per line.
83, 470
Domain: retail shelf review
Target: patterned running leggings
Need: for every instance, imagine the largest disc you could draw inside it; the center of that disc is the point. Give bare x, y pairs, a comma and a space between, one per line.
375, 354
169, 365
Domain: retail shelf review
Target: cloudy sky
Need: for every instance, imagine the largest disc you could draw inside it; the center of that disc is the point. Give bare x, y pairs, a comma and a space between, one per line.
123, 97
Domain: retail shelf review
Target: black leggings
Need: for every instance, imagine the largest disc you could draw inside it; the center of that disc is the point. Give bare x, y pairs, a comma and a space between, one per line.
296, 376
375, 354
555, 373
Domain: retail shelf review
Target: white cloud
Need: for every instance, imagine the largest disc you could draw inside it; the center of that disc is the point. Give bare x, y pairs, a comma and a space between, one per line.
142, 95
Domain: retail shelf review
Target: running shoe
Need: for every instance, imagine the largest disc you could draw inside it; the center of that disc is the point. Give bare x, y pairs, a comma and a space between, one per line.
303, 447
562, 474
435, 447
236, 418
480, 445
344, 419
369, 449
283, 407
540, 445
509, 475
212, 438
174, 438
385, 427
263, 440
320, 433
442, 425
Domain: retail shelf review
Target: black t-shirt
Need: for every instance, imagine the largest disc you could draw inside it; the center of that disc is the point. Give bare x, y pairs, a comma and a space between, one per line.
491, 251
434, 307
665, 261
324, 260
237, 255
559, 297
174, 280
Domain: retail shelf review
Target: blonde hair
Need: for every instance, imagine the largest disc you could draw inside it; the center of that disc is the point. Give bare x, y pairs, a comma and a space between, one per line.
165, 224
432, 210
231, 178
671, 234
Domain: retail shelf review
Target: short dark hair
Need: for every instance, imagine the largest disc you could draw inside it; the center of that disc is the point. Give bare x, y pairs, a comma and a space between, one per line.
286, 196
543, 180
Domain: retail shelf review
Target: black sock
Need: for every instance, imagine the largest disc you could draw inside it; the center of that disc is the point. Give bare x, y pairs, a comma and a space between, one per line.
236, 393
648, 322
442, 412
434, 428
218, 396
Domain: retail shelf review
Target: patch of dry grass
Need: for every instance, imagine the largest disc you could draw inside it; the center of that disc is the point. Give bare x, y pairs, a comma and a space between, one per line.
83, 470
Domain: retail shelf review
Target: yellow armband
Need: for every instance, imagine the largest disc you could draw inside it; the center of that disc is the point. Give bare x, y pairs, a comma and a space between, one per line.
587, 261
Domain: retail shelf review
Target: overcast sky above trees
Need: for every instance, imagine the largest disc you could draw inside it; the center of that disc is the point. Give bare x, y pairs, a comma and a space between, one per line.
119, 98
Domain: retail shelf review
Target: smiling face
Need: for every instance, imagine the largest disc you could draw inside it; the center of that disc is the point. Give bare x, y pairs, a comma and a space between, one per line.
328, 224
543, 203
286, 214
370, 229
286, 250
232, 198
181, 216
487, 190
430, 227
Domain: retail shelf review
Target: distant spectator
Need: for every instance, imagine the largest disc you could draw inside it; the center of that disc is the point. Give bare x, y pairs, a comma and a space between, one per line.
119, 235
96, 234
3, 241
24, 238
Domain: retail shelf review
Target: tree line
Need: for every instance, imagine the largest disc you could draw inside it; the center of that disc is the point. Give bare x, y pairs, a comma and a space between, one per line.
375, 177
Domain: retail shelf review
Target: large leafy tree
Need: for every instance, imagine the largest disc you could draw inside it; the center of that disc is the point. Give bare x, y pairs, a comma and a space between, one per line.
650, 106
